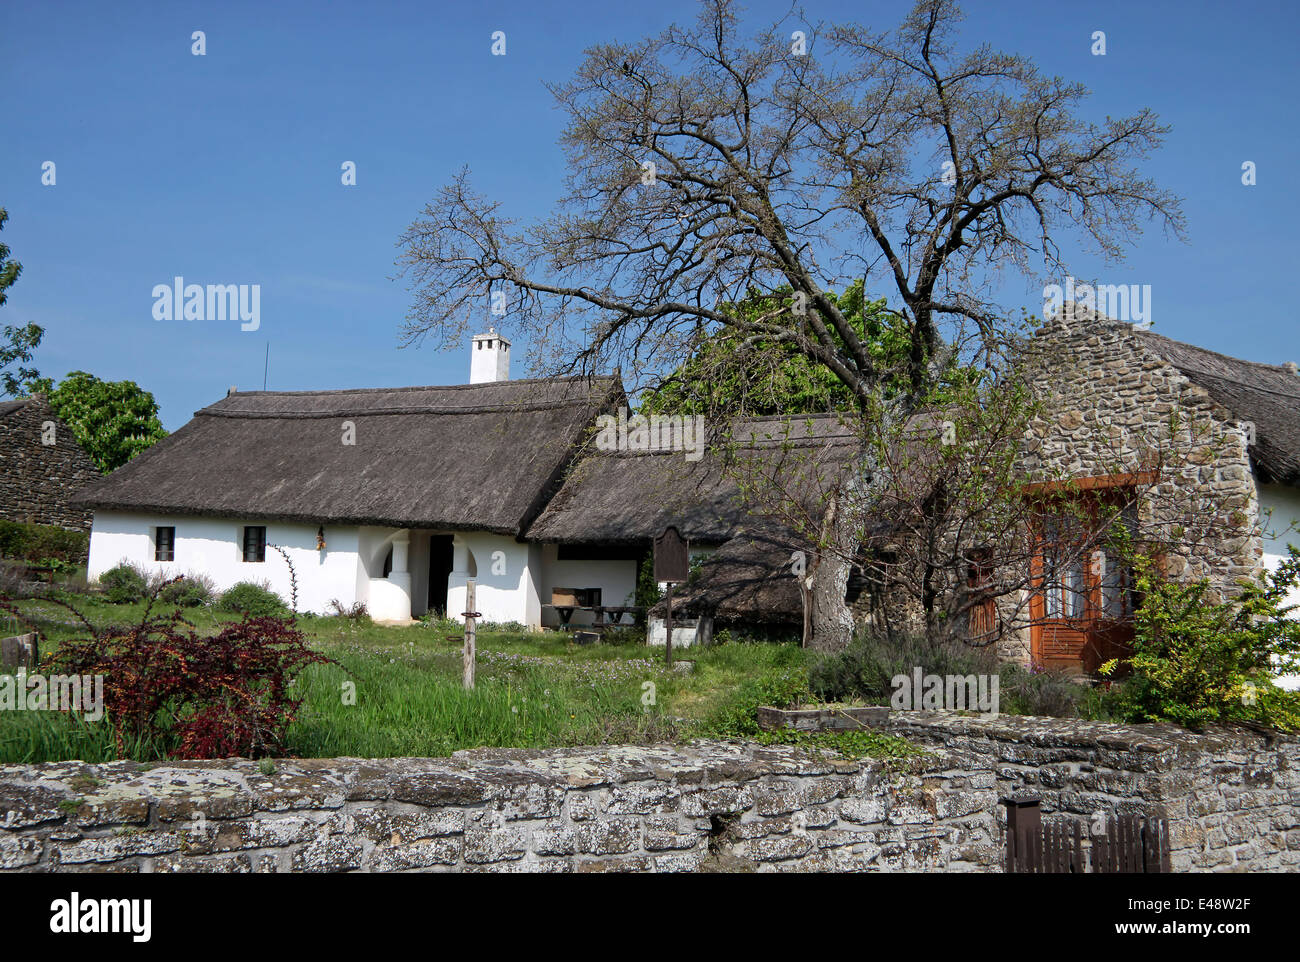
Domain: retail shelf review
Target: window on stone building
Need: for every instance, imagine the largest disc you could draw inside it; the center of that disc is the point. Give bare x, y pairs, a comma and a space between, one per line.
164, 544
254, 543
1082, 607
983, 612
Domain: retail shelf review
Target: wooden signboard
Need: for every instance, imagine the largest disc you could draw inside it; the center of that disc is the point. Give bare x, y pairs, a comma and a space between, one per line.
672, 557
673, 565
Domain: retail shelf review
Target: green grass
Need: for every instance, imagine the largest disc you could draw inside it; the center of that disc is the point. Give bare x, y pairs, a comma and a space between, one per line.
534, 690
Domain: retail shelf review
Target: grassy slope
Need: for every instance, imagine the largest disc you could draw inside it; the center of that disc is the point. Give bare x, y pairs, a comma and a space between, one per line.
533, 690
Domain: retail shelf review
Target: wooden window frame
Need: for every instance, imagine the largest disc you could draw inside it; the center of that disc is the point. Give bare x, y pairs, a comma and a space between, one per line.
260, 551
158, 550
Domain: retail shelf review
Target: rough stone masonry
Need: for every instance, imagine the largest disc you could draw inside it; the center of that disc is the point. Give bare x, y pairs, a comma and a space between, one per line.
1232, 801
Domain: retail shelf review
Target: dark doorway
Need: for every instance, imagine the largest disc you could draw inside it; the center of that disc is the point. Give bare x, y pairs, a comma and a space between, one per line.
440, 565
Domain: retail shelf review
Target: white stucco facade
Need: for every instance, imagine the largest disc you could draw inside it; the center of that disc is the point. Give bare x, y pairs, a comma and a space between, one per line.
504, 572
213, 546
615, 578
387, 569
1279, 507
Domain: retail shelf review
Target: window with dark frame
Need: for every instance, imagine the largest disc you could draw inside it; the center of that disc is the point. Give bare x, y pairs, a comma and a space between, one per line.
254, 542
982, 614
164, 544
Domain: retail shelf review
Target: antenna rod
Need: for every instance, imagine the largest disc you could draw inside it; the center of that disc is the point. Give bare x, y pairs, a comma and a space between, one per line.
266, 366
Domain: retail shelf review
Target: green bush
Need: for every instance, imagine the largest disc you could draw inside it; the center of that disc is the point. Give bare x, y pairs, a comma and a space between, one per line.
503, 627
194, 590
124, 584
1197, 660
1028, 691
257, 601
624, 635
43, 543
866, 668
646, 594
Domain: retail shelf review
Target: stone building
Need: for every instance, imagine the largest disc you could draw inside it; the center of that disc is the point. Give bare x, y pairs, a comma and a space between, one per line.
1197, 453
1204, 449
41, 466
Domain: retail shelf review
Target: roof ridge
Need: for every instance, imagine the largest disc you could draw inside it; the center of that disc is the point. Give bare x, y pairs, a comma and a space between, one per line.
301, 415
422, 387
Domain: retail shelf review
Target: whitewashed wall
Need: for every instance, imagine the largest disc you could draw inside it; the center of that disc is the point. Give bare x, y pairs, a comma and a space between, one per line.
214, 548
615, 579
504, 573
1280, 514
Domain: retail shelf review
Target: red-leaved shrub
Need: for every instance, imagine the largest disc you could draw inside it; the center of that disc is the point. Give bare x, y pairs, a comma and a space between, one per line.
211, 696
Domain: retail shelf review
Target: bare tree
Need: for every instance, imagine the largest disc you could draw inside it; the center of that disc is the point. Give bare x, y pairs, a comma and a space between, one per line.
706, 167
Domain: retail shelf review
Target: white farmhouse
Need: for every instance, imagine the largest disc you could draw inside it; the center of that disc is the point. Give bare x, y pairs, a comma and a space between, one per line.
393, 497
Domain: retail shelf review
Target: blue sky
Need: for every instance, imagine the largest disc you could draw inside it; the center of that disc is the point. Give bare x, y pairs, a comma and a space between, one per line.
225, 168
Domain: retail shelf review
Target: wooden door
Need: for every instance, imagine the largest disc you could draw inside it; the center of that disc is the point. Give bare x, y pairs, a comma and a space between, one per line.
1082, 607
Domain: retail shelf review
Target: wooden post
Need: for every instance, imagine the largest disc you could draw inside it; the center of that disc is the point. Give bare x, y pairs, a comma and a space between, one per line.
469, 655
1024, 825
668, 622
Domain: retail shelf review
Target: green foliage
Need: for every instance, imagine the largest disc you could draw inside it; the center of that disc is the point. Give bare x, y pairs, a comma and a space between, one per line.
113, 421
194, 590
624, 635
502, 627
781, 687
731, 372
535, 690
1057, 694
864, 743
42, 543
865, 669
1197, 661
254, 600
124, 584
647, 593
357, 611
18, 344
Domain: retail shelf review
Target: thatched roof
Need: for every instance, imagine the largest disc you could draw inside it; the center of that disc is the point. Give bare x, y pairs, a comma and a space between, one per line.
749, 577
631, 497
480, 456
1266, 394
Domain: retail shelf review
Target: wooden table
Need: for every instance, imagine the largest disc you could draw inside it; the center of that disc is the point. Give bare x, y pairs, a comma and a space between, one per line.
600, 611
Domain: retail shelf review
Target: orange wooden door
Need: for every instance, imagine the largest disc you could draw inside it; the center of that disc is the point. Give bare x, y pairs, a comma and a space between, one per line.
1081, 610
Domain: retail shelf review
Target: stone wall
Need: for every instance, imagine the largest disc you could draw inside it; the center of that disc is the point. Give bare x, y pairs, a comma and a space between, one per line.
1106, 407
1232, 798
38, 479
642, 809
1232, 801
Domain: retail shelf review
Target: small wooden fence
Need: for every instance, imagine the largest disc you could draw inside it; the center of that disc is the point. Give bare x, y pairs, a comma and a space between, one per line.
1128, 843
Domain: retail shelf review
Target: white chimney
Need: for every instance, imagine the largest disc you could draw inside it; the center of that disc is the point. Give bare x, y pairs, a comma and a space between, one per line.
489, 358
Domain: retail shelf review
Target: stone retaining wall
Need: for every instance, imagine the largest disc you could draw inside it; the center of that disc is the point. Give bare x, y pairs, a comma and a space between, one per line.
1232, 798
707, 805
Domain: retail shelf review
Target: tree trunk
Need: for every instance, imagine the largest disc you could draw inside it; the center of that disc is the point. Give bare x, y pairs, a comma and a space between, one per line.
832, 621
